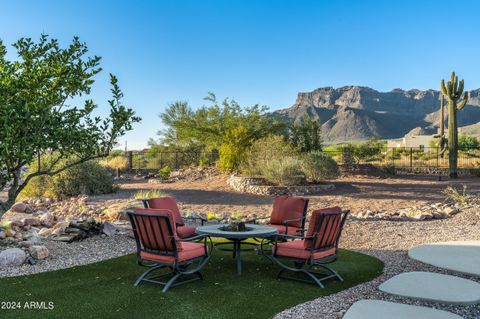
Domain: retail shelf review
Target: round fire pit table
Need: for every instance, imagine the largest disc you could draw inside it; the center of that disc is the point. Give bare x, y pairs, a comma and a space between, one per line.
236, 237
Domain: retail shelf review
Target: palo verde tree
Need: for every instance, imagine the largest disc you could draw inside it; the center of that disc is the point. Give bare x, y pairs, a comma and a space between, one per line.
306, 135
453, 91
36, 117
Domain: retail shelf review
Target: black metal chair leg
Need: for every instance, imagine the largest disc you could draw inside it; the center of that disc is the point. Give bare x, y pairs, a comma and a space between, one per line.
170, 282
137, 282
332, 271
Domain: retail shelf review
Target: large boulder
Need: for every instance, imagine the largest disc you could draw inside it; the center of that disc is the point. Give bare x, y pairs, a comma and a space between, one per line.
12, 257
38, 252
19, 207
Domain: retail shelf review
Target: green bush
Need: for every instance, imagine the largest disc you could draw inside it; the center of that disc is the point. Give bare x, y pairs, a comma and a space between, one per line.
88, 178
164, 172
263, 151
284, 171
232, 150
318, 167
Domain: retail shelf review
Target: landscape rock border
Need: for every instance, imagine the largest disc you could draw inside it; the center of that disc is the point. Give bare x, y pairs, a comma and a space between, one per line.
259, 186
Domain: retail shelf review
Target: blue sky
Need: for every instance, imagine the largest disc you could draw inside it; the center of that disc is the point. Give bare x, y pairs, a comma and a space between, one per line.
255, 51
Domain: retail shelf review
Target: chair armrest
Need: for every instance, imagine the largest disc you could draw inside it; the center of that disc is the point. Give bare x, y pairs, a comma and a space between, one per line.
196, 237
286, 221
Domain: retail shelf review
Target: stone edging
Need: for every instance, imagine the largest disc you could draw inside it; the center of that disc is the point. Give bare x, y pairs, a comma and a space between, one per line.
259, 186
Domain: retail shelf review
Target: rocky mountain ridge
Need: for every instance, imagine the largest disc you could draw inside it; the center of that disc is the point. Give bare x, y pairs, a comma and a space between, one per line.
354, 113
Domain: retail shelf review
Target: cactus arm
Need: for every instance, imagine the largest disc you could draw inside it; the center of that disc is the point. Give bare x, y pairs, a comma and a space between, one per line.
460, 88
463, 102
442, 116
443, 89
449, 89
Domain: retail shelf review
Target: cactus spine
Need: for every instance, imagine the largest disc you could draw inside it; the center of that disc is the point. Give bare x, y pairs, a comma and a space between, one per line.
453, 91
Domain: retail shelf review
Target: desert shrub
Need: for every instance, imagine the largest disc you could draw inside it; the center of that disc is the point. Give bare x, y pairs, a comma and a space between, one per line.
116, 163
263, 151
164, 172
146, 194
88, 178
458, 197
389, 169
233, 149
284, 170
369, 151
317, 166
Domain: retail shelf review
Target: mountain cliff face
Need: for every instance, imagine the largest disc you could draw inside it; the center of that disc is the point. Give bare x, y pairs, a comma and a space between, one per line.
354, 113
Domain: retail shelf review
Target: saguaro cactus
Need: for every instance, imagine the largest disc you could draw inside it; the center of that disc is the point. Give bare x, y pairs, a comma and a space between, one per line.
453, 91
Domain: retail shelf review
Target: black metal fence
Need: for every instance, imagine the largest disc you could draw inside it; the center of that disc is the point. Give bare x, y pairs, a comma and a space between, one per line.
404, 157
399, 157
172, 159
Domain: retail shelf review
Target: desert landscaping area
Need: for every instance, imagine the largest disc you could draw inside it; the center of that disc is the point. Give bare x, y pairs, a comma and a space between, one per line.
206, 191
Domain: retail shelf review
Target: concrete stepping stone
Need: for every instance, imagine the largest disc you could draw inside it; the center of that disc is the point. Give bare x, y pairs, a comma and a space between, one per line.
461, 256
433, 287
379, 309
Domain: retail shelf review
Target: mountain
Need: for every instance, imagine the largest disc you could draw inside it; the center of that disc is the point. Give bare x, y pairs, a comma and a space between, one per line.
354, 113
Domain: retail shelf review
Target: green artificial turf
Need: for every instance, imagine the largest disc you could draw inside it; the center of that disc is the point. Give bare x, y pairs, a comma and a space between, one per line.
105, 290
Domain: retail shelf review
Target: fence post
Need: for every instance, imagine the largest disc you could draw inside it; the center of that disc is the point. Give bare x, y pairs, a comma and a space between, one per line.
393, 157
411, 157
437, 157
176, 160
130, 160
161, 159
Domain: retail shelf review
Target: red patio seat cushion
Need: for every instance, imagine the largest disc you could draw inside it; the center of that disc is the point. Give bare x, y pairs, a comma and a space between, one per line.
167, 203
287, 207
296, 249
186, 252
334, 222
187, 231
291, 230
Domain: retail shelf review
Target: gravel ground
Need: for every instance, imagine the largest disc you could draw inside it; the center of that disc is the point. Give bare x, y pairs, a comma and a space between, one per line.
63, 255
386, 240
390, 241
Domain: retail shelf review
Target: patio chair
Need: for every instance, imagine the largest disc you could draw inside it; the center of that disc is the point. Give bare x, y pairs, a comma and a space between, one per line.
159, 248
317, 249
183, 231
288, 215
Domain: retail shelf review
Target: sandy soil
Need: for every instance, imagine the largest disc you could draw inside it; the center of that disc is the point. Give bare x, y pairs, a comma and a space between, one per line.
352, 192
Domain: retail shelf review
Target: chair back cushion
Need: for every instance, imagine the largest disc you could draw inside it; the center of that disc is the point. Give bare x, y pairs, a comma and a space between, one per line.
326, 225
155, 230
169, 203
288, 207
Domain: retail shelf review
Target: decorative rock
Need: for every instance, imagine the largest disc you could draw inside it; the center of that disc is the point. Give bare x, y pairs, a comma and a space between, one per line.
461, 256
12, 257
45, 232
379, 309
47, 219
38, 252
9, 232
32, 221
19, 207
109, 229
433, 287
2, 234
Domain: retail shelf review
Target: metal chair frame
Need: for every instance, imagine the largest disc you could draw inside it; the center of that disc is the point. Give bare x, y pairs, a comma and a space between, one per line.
299, 264
177, 269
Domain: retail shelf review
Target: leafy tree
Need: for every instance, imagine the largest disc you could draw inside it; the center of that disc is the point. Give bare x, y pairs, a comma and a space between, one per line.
306, 135
36, 119
207, 126
233, 149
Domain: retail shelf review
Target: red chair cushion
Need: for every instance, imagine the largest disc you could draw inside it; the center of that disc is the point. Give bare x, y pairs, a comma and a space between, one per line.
187, 231
148, 229
187, 252
287, 207
296, 249
328, 223
291, 230
167, 203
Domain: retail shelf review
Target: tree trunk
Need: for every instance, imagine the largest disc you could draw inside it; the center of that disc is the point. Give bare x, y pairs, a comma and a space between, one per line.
12, 196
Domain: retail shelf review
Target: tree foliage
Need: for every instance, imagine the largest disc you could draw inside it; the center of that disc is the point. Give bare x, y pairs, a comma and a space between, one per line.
306, 135
36, 118
207, 126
